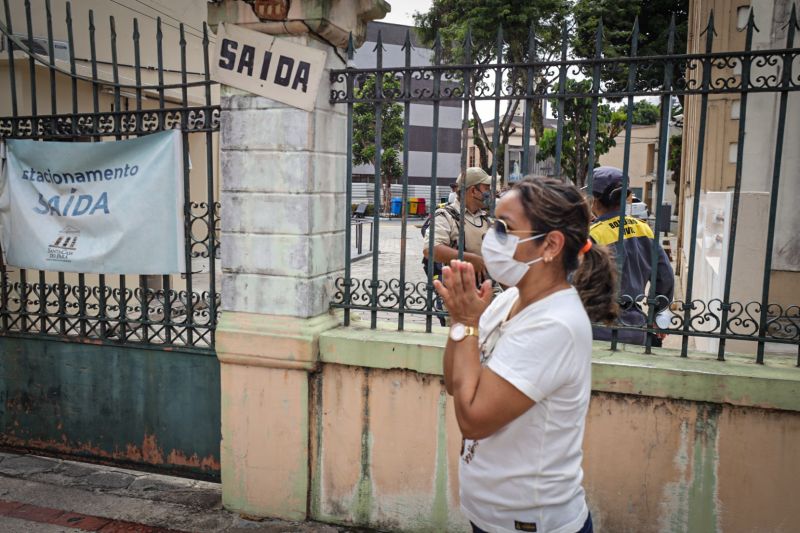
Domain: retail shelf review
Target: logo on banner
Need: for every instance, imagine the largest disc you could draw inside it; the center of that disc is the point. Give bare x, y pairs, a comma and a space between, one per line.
65, 244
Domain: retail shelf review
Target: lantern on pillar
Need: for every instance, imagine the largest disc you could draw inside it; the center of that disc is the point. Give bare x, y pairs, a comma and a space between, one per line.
271, 9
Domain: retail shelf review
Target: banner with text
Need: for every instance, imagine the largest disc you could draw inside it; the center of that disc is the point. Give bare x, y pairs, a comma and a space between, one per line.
108, 207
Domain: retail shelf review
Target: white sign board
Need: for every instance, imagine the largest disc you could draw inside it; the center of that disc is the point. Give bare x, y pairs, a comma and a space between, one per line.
270, 67
108, 207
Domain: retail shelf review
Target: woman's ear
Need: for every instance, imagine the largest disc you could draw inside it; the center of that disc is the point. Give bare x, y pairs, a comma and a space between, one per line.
553, 245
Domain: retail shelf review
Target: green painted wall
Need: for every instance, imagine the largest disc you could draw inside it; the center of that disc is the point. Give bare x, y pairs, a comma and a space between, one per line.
123, 404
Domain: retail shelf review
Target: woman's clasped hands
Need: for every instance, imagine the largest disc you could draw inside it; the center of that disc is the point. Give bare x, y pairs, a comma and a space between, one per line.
463, 301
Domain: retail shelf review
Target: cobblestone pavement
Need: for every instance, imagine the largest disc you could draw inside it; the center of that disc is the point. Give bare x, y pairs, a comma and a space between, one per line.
390, 237
40, 494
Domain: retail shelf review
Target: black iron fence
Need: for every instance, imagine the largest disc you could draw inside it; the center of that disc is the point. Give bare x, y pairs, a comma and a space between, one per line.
164, 311
563, 81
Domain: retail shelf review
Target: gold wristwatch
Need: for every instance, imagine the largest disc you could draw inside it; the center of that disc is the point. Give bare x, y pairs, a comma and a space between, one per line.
459, 332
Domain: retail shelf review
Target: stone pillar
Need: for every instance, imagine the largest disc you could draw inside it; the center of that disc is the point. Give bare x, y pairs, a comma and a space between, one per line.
283, 202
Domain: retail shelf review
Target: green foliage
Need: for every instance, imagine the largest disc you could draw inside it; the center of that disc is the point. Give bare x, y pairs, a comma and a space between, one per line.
644, 113
391, 130
577, 127
618, 17
451, 18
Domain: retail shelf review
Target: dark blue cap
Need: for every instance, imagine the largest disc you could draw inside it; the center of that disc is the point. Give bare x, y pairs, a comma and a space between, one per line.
602, 177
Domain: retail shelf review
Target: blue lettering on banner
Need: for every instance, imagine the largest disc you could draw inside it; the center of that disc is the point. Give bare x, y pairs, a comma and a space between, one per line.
81, 205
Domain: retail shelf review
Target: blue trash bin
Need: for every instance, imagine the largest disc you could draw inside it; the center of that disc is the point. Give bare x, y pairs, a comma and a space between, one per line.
397, 206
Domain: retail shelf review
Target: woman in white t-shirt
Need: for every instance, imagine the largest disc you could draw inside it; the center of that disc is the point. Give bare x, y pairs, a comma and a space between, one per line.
519, 367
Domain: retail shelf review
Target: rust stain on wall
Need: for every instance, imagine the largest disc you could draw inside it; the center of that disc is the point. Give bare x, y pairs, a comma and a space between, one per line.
148, 452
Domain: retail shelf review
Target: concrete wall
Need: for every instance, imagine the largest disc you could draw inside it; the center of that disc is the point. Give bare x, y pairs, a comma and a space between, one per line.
672, 445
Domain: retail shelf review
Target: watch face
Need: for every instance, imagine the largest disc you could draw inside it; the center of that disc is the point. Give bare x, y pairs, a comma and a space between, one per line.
457, 331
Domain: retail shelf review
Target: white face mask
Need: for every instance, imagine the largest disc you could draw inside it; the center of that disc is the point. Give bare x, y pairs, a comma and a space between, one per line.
499, 258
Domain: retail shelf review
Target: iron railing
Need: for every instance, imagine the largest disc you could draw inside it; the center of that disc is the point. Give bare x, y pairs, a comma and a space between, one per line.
613, 79
151, 311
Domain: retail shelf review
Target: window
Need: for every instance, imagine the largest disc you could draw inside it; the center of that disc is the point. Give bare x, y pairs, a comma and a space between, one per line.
735, 109
732, 149
742, 14
651, 158
471, 162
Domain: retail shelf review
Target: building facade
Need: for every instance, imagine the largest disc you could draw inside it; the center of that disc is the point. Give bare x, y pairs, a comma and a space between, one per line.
759, 153
421, 114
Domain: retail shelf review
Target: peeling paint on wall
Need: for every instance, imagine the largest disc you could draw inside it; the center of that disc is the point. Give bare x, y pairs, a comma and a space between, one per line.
703, 490
363, 501
439, 514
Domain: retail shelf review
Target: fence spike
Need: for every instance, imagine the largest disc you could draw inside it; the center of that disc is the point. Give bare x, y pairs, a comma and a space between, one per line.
635, 33
437, 49
499, 43
379, 57
751, 22
671, 38
709, 29
350, 47
407, 40
793, 22
531, 43
598, 39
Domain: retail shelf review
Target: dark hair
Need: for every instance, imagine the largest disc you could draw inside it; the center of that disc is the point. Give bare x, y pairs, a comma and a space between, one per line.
611, 195
553, 205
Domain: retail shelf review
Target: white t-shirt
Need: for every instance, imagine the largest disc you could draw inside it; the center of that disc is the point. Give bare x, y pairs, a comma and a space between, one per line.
529, 472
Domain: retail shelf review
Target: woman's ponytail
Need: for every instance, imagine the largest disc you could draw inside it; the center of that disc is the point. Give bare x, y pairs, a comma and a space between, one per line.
552, 205
595, 280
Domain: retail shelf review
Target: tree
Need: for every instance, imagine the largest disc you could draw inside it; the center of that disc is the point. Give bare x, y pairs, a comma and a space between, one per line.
576, 133
618, 17
451, 18
391, 133
644, 113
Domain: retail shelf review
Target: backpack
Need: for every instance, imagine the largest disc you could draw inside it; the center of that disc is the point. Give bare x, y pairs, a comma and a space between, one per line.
456, 216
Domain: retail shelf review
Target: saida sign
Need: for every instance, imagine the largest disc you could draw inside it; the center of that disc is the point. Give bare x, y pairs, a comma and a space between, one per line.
270, 67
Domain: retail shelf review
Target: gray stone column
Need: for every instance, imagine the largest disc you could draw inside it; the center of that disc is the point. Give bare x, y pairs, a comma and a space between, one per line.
283, 221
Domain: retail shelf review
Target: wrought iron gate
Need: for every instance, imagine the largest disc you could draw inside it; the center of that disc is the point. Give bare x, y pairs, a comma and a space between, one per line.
166, 311
137, 380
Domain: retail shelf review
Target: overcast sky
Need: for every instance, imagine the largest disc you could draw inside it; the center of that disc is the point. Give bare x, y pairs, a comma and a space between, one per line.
403, 10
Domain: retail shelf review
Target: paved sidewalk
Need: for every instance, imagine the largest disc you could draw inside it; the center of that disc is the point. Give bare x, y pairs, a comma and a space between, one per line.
39, 494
